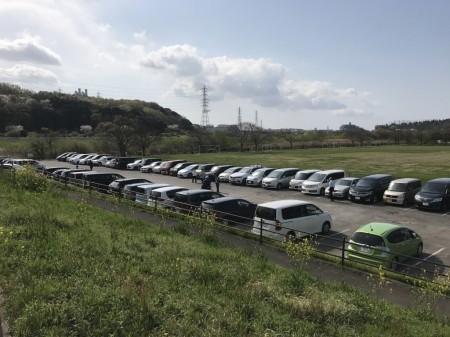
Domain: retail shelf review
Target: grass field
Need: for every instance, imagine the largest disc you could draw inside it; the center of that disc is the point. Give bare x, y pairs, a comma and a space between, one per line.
423, 162
70, 269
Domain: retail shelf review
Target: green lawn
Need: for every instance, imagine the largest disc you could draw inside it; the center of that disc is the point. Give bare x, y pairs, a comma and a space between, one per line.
70, 269
423, 162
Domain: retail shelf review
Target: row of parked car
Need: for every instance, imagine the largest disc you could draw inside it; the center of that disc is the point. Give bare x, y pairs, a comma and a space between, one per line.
435, 194
374, 243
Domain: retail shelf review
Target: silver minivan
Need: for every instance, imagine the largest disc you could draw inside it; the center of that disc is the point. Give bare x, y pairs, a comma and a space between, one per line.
289, 219
300, 177
402, 191
279, 178
318, 182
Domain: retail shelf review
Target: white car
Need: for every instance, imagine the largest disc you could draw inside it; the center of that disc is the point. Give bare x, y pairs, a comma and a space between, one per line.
164, 195
255, 179
225, 175
188, 171
102, 160
279, 178
299, 178
136, 165
149, 168
290, 219
240, 177
341, 188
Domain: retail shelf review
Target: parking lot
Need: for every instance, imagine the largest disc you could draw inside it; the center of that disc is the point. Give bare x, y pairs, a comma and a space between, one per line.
347, 216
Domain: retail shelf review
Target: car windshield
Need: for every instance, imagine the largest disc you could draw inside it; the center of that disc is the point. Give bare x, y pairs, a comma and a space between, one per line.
433, 188
275, 174
258, 173
190, 167
246, 170
301, 175
343, 182
366, 183
266, 213
368, 239
317, 177
232, 170
397, 187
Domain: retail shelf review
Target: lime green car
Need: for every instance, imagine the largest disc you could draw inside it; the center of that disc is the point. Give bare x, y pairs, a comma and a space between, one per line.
384, 244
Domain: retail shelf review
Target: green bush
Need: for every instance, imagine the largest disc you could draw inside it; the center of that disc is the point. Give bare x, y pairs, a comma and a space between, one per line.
28, 179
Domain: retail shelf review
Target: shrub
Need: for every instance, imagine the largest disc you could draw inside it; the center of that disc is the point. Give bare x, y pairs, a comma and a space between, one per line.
28, 179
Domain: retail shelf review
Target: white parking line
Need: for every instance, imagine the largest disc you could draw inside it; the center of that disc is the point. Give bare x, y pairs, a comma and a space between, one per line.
345, 230
435, 253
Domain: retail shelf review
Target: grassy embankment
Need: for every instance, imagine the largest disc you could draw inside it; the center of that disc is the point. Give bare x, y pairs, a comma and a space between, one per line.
70, 269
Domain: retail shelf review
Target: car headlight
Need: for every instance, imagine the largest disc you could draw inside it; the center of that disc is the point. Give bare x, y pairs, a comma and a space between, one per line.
417, 197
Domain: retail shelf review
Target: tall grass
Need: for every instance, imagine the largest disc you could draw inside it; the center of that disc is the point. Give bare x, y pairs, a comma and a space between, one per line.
70, 269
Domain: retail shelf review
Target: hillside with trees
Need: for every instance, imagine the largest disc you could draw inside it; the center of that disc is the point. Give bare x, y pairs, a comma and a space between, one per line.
46, 119
23, 111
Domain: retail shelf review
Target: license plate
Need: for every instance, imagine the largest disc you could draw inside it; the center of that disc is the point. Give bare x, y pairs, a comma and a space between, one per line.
356, 198
365, 249
426, 204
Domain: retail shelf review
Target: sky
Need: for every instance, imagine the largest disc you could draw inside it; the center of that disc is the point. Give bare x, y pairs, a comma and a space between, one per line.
283, 64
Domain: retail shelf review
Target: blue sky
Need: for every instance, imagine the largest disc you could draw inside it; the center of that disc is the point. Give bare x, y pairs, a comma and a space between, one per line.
300, 64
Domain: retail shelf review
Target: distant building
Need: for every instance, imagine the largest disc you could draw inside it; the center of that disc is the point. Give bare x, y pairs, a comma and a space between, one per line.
349, 127
81, 93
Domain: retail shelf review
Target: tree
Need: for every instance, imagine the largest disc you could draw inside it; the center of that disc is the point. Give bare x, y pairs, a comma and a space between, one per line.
290, 137
120, 131
240, 132
145, 137
257, 135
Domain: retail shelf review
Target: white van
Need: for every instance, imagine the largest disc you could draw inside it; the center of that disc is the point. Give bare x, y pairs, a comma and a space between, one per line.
290, 219
318, 182
144, 191
279, 178
299, 178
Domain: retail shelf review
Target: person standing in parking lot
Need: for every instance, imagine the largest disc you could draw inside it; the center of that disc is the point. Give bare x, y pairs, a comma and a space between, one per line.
217, 181
331, 186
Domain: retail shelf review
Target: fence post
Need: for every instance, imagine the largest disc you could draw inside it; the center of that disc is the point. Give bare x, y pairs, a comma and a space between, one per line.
260, 231
343, 251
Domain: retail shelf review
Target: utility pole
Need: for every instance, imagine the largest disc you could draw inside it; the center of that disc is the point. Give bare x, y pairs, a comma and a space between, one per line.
239, 117
205, 110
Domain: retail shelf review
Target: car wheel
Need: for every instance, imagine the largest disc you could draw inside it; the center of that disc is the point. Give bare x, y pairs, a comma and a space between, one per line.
394, 264
290, 237
189, 175
443, 206
322, 191
279, 186
419, 250
373, 199
326, 227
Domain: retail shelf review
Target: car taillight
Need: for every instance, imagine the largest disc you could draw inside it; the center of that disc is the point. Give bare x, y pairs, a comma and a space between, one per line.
278, 225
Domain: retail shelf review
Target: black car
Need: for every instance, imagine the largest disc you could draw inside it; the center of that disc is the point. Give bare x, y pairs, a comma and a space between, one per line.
99, 180
218, 169
192, 199
435, 195
370, 188
230, 210
116, 186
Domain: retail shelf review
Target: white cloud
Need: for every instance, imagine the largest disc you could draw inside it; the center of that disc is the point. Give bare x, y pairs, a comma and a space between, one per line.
25, 74
28, 48
261, 81
140, 36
